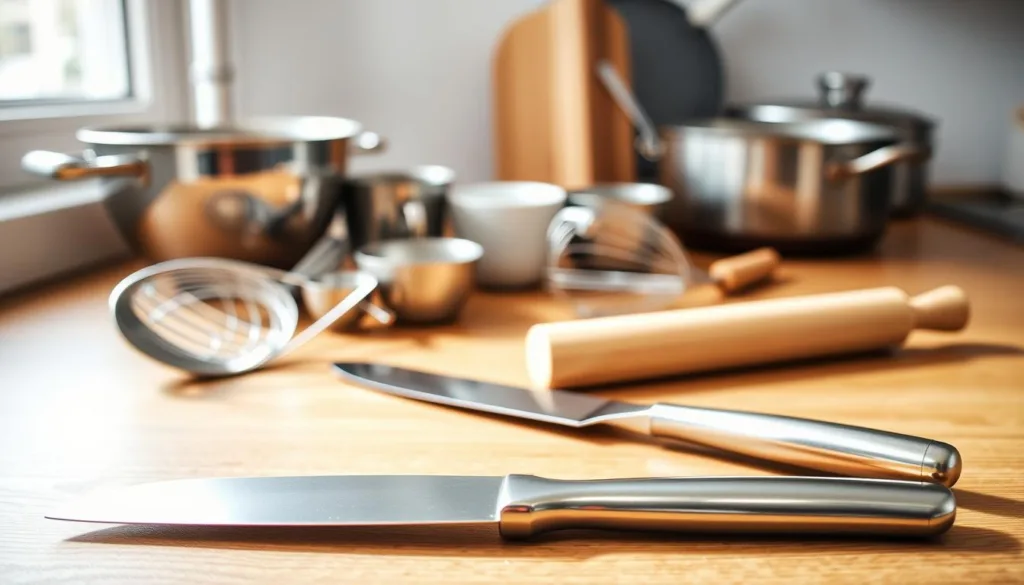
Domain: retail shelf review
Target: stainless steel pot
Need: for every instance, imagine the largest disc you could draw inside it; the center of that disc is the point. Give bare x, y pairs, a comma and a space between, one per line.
262, 190
818, 186
840, 95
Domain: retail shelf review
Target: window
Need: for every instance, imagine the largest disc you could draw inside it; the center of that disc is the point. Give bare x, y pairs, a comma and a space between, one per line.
63, 50
65, 64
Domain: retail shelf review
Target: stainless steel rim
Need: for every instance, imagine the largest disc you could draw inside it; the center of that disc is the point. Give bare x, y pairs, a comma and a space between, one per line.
343, 280
433, 175
828, 131
635, 193
420, 251
265, 130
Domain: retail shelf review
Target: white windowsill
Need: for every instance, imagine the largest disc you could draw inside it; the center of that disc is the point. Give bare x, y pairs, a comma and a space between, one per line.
51, 231
38, 200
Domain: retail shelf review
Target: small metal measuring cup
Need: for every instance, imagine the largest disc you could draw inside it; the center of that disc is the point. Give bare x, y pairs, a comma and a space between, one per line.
392, 205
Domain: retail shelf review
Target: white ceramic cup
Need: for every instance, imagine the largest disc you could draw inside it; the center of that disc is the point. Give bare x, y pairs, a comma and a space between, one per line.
510, 220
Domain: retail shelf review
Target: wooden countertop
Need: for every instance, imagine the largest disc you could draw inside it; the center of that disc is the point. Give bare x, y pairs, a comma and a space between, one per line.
80, 409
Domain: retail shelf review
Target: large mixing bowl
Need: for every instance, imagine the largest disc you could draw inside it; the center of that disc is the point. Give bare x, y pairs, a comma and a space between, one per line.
262, 190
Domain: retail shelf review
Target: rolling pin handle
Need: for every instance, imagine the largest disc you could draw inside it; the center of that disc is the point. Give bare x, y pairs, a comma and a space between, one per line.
738, 272
942, 309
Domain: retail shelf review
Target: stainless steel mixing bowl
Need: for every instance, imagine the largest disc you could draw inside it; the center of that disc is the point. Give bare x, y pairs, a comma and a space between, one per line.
262, 190
425, 281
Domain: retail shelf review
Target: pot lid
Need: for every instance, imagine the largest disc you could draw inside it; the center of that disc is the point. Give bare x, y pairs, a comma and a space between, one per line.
268, 130
840, 95
828, 131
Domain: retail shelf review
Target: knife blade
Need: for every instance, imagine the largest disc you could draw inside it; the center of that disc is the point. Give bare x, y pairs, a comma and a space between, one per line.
524, 505
810, 444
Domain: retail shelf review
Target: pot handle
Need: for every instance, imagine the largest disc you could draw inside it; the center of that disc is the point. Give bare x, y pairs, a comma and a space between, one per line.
647, 143
368, 143
64, 167
876, 159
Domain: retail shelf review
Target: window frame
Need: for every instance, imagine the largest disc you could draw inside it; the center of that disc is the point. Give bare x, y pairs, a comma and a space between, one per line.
157, 61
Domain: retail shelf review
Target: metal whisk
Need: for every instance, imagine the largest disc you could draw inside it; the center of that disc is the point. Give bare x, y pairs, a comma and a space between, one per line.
609, 259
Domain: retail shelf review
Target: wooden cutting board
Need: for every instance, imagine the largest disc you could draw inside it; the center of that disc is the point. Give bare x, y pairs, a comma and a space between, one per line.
553, 120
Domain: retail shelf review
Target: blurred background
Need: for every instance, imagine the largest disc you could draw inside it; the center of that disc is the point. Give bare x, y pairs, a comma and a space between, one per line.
420, 72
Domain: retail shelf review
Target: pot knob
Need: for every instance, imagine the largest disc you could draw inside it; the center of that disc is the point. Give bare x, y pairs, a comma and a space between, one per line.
842, 90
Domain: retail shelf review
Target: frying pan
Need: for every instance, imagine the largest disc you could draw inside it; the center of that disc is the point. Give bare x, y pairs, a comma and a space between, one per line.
676, 66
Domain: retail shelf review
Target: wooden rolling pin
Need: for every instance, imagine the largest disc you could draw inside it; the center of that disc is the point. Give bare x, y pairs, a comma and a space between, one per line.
633, 347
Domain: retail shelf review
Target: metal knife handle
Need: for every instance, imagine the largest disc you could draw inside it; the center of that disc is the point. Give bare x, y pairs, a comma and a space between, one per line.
818, 445
531, 505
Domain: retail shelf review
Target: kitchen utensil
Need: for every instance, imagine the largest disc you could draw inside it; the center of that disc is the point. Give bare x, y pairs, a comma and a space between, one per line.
522, 506
813, 187
677, 71
261, 191
509, 219
840, 95
218, 317
633, 347
390, 205
817, 186
606, 259
644, 197
424, 280
676, 66
322, 294
814, 445
552, 121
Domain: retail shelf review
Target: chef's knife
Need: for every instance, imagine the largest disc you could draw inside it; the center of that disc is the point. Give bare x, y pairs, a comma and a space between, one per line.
525, 505
810, 444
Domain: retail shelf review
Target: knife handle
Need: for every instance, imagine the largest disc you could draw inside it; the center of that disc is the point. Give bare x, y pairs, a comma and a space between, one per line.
811, 444
531, 505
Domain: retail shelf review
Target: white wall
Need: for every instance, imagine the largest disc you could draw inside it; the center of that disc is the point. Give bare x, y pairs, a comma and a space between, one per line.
418, 71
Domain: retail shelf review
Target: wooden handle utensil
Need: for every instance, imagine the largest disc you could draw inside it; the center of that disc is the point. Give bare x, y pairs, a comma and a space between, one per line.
633, 347
738, 272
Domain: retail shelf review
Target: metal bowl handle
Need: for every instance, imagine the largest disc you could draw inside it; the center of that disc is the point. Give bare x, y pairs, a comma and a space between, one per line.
876, 159
64, 167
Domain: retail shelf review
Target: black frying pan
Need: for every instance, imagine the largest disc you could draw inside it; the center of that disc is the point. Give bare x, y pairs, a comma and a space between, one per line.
676, 66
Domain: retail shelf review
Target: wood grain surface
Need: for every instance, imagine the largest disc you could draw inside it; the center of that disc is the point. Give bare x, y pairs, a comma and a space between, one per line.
80, 409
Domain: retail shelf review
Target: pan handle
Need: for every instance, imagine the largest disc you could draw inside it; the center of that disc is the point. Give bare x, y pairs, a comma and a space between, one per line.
64, 167
647, 144
876, 159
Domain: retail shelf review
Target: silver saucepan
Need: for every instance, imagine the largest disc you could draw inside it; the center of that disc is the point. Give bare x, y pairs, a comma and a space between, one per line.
811, 187
262, 190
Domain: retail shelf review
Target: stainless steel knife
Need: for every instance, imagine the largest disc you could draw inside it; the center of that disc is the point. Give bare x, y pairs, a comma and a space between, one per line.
525, 505
810, 444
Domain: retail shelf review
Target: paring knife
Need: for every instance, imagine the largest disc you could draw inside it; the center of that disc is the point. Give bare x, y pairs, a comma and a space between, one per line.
525, 505
810, 444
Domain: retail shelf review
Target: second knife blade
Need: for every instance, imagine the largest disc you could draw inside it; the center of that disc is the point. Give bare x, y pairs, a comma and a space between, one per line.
810, 444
